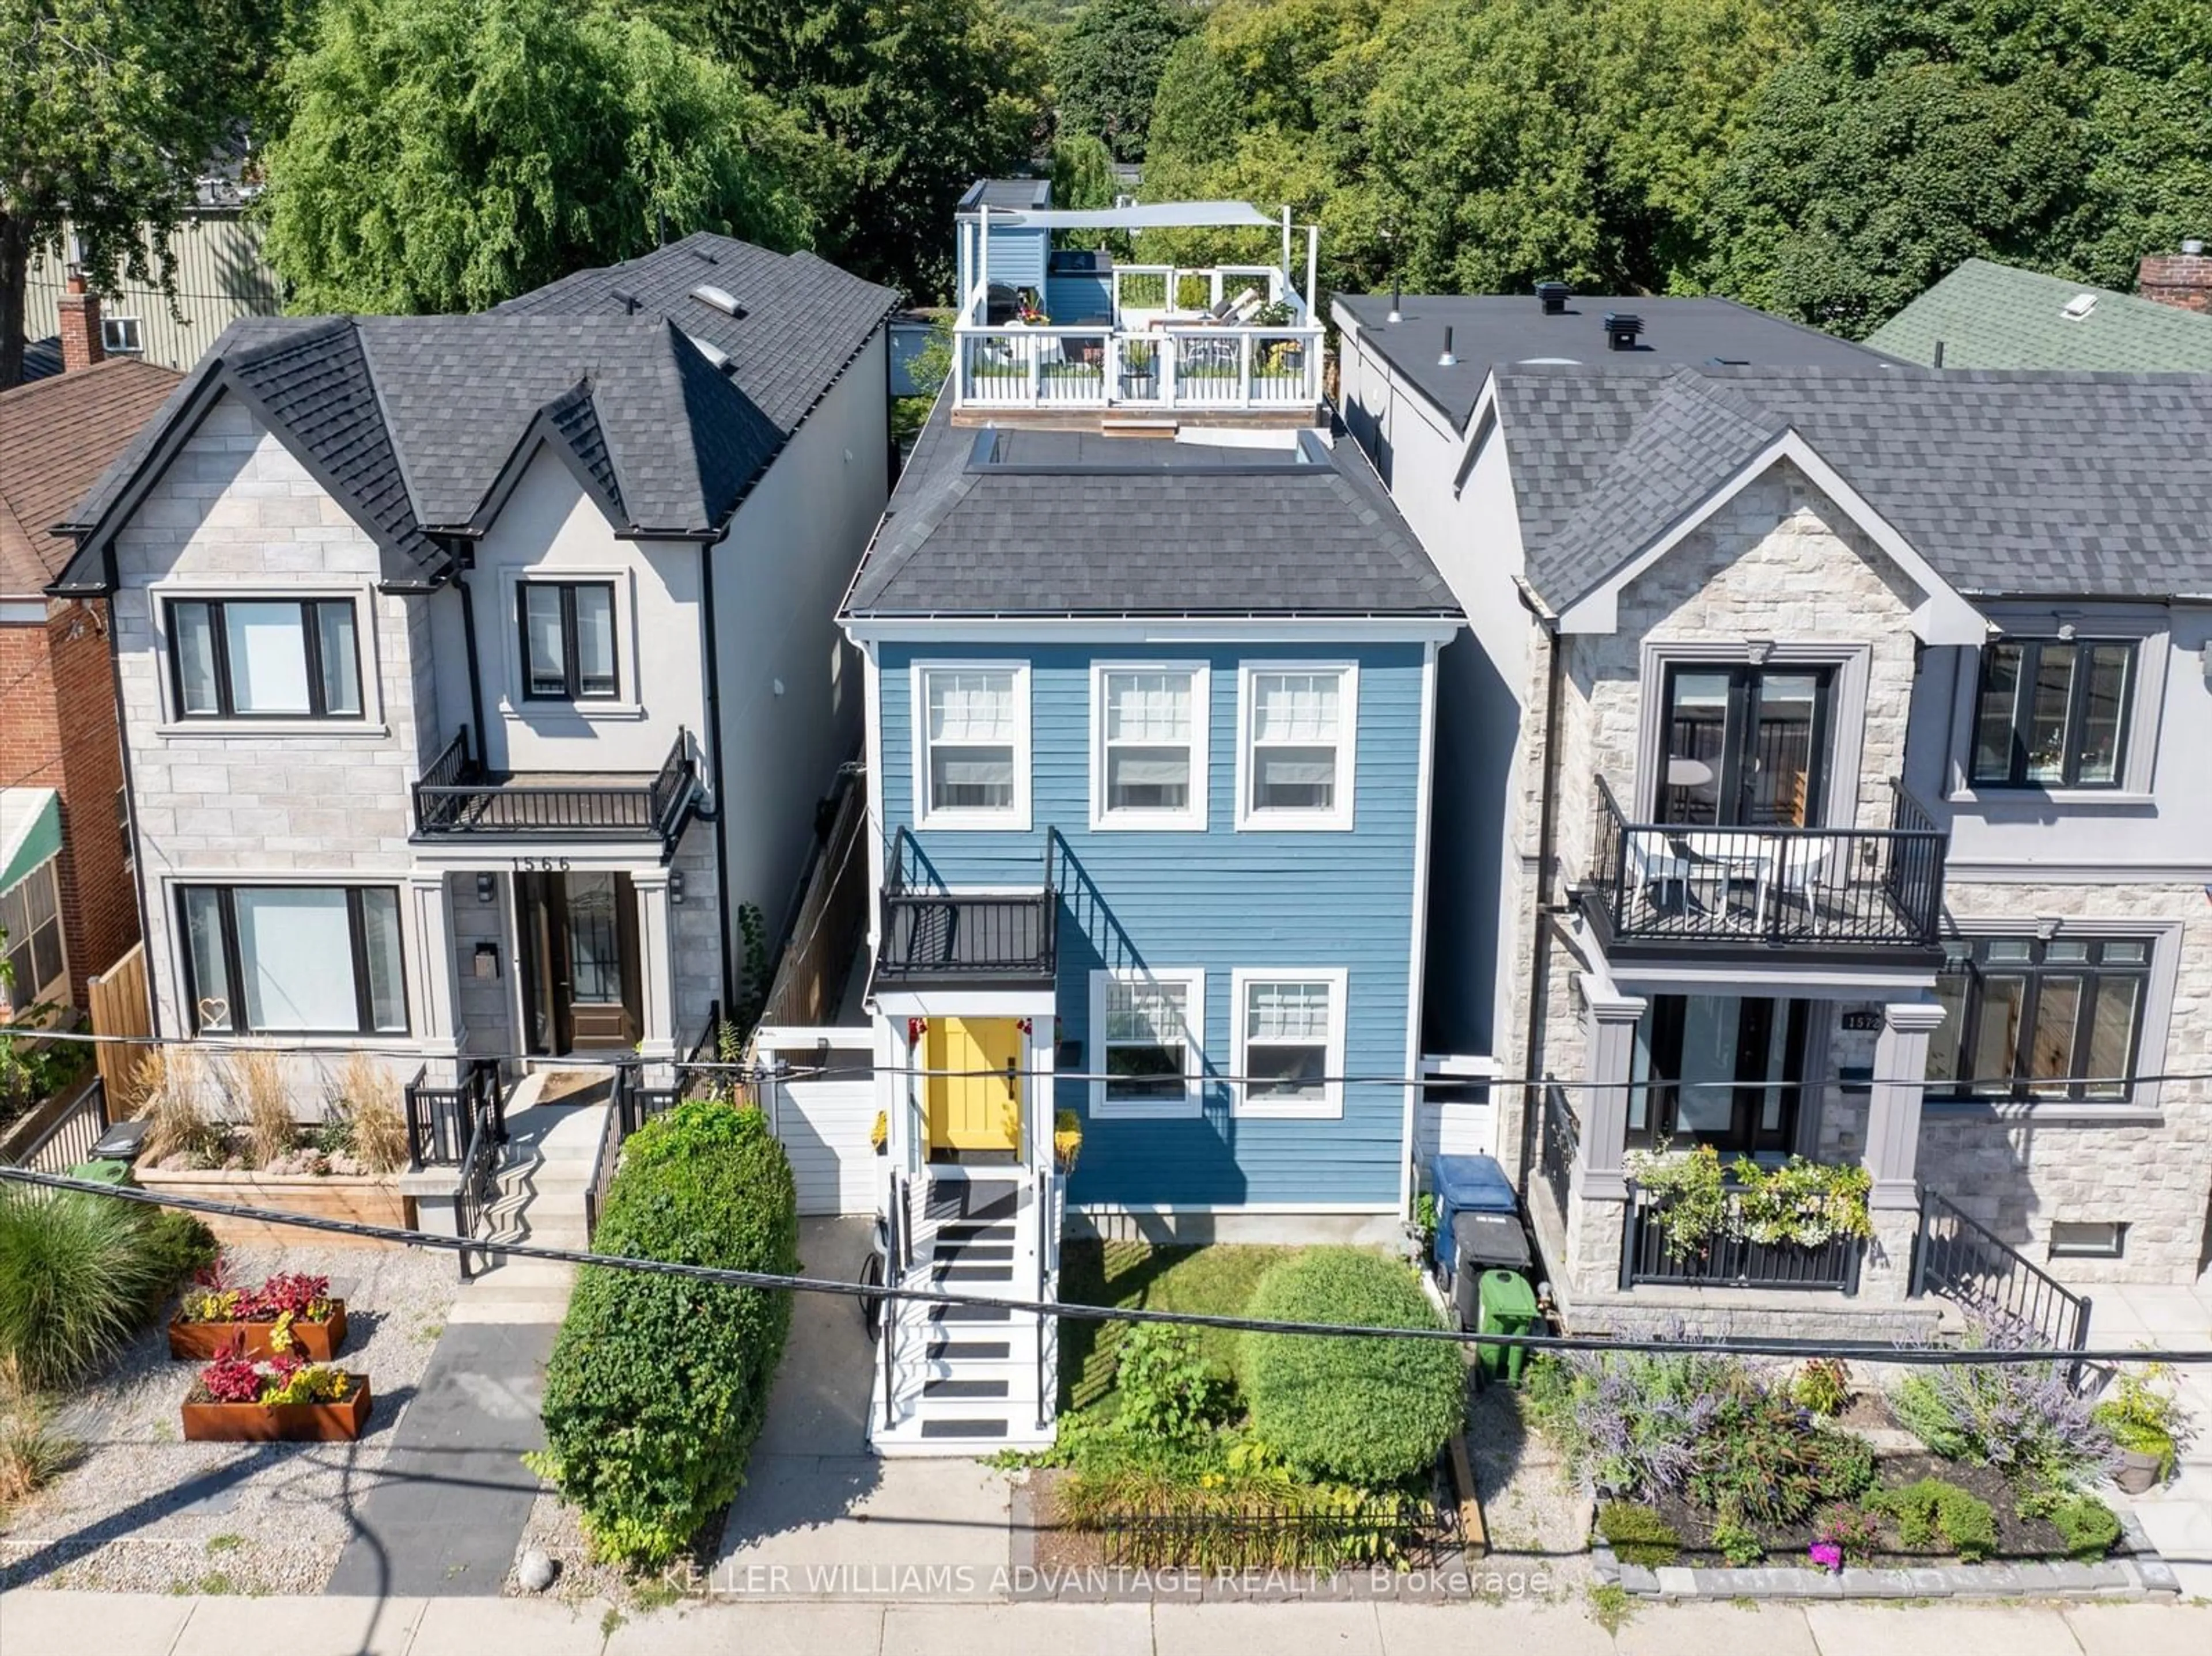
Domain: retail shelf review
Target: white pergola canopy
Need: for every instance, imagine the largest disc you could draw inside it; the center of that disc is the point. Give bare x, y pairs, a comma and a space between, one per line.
1144, 215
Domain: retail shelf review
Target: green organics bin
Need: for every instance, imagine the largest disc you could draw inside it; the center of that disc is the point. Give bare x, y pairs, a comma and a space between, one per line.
102, 1171
1509, 1307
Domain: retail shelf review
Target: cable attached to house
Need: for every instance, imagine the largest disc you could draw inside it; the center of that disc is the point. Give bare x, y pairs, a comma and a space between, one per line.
1905, 1355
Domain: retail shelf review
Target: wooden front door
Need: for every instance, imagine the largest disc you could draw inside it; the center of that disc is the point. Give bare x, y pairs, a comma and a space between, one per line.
580, 954
975, 1087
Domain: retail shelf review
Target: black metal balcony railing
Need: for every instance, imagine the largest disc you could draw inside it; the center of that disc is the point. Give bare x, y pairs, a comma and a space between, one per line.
456, 797
1563, 1137
1677, 882
932, 935
1730, 1259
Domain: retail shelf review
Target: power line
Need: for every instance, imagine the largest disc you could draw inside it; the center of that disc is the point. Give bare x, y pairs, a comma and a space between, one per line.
1907, 1355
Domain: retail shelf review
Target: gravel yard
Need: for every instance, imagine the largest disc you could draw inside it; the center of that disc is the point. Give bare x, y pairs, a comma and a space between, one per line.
142, 1511
1536, 1517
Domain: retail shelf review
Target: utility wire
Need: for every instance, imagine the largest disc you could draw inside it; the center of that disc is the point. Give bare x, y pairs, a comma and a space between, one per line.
1908, 1356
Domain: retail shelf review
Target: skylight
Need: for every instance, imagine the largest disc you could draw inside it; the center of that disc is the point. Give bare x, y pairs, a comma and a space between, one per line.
721, 298
2079, 307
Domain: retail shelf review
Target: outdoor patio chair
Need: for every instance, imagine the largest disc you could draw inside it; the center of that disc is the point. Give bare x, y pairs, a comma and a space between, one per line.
1661, 874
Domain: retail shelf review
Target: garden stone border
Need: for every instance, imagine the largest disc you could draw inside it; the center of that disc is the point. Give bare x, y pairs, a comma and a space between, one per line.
2141, 1576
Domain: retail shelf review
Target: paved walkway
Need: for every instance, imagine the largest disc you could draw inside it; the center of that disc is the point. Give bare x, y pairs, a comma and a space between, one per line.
34, 1623
2177, 1518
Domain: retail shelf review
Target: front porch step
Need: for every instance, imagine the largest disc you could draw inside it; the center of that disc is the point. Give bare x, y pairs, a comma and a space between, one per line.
972, 1276
972, 1200
949, 1351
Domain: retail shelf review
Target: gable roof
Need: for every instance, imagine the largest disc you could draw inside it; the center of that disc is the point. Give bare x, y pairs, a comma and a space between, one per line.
56, 435
420, 426
2086, 485
990, 521
1997, 315
1491, 330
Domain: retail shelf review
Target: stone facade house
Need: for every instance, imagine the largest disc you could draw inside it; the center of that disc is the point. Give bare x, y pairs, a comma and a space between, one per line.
479, 676
66, 906
1827, 740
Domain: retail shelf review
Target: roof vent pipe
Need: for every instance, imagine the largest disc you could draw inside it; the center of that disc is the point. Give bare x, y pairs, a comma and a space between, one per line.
1553, 297
1396, 315
1448, 361
2192, 245
1938, 354
1621, 329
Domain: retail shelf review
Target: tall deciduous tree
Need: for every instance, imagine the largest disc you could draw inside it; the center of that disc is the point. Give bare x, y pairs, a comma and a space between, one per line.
2067, 134
1106, 65
917, 99
447, 154
107, 109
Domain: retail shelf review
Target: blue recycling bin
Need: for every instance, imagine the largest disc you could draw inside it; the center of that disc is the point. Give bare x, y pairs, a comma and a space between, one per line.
1466, 1184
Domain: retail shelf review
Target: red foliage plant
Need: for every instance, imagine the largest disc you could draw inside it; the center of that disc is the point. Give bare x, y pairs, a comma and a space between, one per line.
232, 1378
293, 1291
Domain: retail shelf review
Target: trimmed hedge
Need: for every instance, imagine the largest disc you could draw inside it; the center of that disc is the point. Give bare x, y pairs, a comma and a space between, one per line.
658, 1385
1368, 1412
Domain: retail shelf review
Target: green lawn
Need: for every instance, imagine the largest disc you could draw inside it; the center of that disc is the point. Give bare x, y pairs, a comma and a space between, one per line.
1218, 1279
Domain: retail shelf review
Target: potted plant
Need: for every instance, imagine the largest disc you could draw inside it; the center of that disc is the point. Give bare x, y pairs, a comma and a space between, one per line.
1067, 1139
2146, 1424
1140, 372
289, 1316
283, 1400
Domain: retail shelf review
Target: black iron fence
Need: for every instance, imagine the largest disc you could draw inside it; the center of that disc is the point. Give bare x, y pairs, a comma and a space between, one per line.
456, 797
1680, 882
1562, 1138
1728, 1258
442, 1120
1959, 1259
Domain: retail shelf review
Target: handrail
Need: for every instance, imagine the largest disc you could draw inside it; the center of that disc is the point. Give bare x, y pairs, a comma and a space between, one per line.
1776, 884
454, 798
929, 932
1044, 1178
1957, 1258
1730, 1258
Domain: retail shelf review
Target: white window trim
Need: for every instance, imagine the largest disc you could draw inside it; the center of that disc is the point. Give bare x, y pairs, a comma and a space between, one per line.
1192, 817
160, 595
28, 996
1330, 1105
2153, 637
136, 323
628, 704
1014, 818
1193, 982
1339, 817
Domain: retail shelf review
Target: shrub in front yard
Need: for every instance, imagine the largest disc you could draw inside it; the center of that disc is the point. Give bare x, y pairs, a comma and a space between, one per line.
1371, 1411
1638, 1534
2089, 1527
1632, 1422
1166, 1390
2022, 1419
658, 1385
1932, 1512
78, 1276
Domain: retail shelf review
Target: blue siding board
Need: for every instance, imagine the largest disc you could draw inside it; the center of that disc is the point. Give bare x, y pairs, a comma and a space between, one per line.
1069, 300
1018, 257
1215, 901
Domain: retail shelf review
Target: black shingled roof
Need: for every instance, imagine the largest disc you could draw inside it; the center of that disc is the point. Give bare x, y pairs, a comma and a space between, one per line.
2081, 484
1493, 330
1002, 522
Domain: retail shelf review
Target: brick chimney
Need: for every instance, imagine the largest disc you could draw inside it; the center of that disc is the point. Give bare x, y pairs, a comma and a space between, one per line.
81, 346
2183, 279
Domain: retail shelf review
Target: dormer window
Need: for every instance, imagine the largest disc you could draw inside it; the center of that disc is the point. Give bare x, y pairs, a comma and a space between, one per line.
569, 641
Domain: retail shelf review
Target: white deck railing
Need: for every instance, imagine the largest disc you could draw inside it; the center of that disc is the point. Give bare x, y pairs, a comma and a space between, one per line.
1217, 367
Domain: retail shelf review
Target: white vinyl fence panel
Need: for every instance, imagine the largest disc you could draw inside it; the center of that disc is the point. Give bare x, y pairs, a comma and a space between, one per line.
824, 1125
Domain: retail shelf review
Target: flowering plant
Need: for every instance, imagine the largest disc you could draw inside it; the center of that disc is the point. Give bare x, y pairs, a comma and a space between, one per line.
283, 1299
1805, 1203
1828, 1555
233, 1379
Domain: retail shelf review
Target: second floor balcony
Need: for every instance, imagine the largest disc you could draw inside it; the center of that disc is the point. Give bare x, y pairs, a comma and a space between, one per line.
1654, 886
457, 798
933, 936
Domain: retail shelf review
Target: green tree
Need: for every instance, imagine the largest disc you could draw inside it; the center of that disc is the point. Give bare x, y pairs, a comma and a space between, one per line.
917, 99
1106, 65
447, 154
2066, 135
1082, 174
107, 109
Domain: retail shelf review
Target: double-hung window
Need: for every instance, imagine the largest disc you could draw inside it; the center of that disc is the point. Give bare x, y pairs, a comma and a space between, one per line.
1148, 748
2053, 713
294, 960
1296, 767
2040, 1019
972, 746
569, 641
1289, 1050
1147, 1025
31, 920
265, 658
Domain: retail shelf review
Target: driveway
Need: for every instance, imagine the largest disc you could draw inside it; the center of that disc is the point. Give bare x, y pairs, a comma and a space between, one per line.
819, 1516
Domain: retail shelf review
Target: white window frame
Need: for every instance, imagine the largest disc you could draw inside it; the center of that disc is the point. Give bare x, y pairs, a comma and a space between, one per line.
1188, 818
1330, 1105
1013, 818
1339, 816
24, 995
137, 345
1193, 983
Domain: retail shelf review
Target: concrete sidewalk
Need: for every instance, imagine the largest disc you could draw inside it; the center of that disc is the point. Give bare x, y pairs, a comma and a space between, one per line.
34, 1623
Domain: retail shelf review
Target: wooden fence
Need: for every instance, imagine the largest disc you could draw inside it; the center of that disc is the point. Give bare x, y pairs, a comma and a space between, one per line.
831, 921
120, 1007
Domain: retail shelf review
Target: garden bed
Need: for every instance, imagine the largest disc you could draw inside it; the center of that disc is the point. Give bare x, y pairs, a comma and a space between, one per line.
209, 1422
363, 1198
204, 1341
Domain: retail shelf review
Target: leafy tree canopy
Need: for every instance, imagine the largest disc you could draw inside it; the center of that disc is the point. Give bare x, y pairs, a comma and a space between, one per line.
107, 109
1106, 64
915, 98
447, 154
2069, 135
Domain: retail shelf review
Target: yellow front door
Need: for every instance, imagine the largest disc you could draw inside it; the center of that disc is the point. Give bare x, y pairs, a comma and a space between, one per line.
975, 1088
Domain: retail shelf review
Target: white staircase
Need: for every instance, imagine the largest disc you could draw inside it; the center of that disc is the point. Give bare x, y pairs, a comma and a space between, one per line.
973, 1378
551, 1150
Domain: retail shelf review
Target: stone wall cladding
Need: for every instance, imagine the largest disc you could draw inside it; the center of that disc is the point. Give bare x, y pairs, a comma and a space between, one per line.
2024, 1166
696, 935
235, 510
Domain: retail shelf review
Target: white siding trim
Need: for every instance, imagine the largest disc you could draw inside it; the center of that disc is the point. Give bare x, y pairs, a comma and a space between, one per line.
1193, 983
1192, 818
1330, 1105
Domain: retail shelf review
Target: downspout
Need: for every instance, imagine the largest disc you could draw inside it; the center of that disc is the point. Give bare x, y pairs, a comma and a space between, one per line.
464, 559
721, 811
1539, 975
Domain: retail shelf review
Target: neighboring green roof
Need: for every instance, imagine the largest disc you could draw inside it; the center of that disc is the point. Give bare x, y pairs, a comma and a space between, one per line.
30, 831
1992, 316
